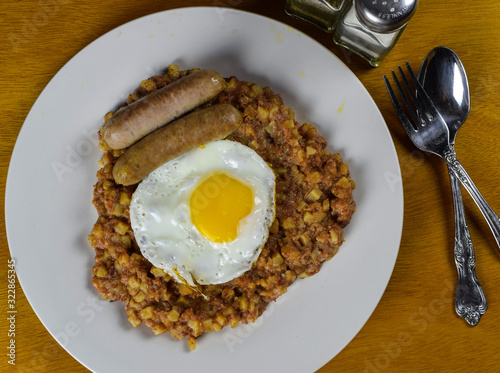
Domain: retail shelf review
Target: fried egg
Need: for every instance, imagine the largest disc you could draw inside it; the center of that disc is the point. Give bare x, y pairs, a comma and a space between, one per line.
204, 216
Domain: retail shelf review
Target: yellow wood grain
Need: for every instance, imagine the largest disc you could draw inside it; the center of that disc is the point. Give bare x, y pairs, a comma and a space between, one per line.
414, 328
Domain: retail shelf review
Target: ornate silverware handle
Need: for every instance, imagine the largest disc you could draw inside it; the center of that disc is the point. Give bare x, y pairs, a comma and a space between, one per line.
470, 302
458, 170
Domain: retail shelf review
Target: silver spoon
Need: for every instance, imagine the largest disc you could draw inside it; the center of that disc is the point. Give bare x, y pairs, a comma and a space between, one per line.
443, 77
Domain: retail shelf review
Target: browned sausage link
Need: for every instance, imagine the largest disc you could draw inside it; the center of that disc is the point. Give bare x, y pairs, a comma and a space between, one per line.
169, 142
143, 116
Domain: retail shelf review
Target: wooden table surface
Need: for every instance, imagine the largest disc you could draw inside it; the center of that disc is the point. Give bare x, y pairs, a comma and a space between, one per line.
414, 328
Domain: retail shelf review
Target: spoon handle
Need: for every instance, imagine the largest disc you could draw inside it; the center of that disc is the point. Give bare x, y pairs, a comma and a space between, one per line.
459, 172
470, 302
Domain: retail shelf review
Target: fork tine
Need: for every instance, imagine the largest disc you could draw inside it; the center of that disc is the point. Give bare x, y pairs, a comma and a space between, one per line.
399, 110
407, 84
416, 120
422, 95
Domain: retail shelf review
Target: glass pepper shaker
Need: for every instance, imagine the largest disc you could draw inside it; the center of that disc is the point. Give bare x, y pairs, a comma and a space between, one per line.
321, 13
371, 28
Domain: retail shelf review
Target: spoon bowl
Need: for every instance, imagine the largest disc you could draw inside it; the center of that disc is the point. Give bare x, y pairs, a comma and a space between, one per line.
443, 77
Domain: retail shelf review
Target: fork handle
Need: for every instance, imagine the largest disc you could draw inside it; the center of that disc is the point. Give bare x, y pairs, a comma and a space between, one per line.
458, 170
470, 302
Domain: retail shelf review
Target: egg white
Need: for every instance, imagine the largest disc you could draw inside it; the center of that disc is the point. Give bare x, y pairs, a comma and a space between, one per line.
161, 220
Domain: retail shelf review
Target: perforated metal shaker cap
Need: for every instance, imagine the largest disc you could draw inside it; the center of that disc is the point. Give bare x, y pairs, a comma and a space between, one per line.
385, 15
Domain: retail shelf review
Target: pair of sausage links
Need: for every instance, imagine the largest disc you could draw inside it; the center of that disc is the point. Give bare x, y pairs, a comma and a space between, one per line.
174, 139
145, 115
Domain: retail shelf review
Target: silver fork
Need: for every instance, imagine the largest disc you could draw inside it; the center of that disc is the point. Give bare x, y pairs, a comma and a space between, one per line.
430, 133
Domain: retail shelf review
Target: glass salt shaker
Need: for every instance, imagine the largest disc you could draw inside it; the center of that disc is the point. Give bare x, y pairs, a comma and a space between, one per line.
321, 13
371, 28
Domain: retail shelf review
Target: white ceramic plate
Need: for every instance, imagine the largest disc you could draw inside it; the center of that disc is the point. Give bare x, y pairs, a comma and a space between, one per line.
52, 172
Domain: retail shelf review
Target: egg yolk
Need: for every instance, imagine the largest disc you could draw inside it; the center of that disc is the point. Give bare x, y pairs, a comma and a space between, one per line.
218, 204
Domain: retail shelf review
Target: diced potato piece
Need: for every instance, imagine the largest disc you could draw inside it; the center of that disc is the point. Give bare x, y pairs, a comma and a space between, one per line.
343, 182
117, 153
290, 252
290, 275
273, 111
139, 297
158, 329
134, 320
124, 199
280, 170
184, 289
243, 303
133, 292
173, 315
92, 239
254, 145
262, 113
304, 239
288, 223
118, 210
148, 85
192, 343
176, 333
233, 322
136, 256
257, 89
147, 313
124, 259
227, 311
266, 293
133, 282
344, 169
221, 319
101, 271
173, 71
280, 197
334, 237
157, 272
275, 227
326, 204
183, 301
134, 305
301, 205
300, 154
194, 325
314, 177
121, 228
107, 184
310, 150
207, 324
310, 218
231, 84
313, 195
277, 259
126, 242
165, 296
